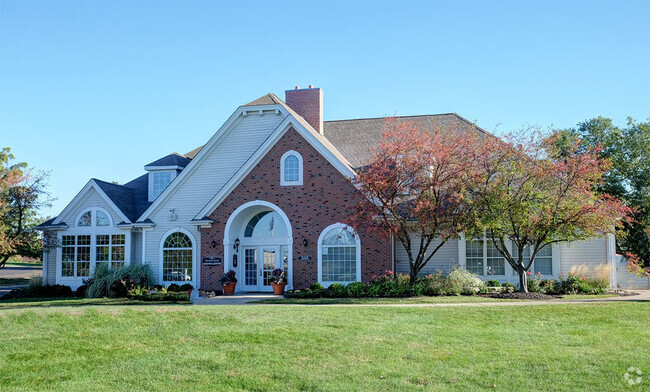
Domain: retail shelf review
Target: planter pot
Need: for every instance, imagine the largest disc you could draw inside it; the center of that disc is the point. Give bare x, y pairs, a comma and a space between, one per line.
229, 289
278, 288
189, 294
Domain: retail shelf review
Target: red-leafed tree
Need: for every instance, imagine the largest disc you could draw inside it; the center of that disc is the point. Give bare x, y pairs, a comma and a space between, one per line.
534, 195
416, 186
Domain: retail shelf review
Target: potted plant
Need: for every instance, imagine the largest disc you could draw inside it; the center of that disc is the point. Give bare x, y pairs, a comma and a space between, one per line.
278, 281
229, 281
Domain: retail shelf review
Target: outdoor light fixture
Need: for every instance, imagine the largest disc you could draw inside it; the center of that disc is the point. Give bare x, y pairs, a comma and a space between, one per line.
214, 243
304, 242
236, 246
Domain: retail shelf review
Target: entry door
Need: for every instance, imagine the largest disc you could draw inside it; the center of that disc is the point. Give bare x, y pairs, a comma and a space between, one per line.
270, 257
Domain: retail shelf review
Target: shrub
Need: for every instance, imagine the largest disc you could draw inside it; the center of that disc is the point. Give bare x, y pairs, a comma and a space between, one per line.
469, 283
597, 276
186, 287
493, 283
356, 289
438, 284
317, 290
117, 282
569, 284
336, 290
391, 285
173, 288
81, 291
509, 287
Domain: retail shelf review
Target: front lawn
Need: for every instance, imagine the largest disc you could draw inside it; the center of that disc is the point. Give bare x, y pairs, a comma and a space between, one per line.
14, 281
566, 347
23, 303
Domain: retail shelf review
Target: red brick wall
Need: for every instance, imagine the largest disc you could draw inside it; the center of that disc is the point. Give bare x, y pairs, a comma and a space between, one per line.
307, 102
324, 199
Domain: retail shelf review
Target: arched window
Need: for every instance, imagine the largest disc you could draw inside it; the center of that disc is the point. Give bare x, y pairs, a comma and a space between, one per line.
86, 219
266, 224
101, 218
177, 258
339, 255
291, 168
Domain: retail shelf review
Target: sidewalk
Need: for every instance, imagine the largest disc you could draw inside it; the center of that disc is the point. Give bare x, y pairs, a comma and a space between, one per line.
237, 299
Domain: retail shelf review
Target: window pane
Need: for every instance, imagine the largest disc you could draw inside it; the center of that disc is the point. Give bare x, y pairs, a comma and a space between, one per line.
178, 240
177, 265
103, 239
160, 182
291, 168
83, 240
85, 219
67, 240
266, 224
67, 268
102, 219
67, 253
339, 236
495, 261
339, 263
474, 256
118, 239
543, 265
83, 269
117, 253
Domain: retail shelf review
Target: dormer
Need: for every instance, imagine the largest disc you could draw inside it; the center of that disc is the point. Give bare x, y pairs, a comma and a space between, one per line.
163, 171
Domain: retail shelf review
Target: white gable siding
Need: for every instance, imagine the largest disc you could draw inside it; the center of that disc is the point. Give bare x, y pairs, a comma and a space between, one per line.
49, 263
92, 199
206, 179
591, 252
136, 247
444, 259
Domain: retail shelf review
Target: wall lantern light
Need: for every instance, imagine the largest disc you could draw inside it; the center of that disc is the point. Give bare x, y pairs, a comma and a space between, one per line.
236, 246
214, 244
305, 242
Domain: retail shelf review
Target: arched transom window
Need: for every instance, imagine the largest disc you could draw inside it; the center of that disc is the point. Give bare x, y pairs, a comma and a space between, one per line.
339, 258
100, 218
266, 224
177, 258
291, 168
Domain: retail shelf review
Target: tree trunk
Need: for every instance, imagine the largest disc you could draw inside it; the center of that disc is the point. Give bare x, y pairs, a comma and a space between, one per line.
523, 281
3, 262
413, 275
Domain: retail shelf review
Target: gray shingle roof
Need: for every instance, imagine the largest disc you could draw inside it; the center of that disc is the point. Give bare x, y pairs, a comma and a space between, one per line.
268, 99
131, 198
173, 159
356, 139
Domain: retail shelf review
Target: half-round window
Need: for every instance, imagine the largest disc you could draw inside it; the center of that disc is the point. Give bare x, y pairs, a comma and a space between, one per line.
177, 258
339, 258
101, 219
86, 219
266, 224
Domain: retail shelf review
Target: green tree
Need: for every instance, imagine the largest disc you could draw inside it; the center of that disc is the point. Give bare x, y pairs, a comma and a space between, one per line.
22, 194
628, 179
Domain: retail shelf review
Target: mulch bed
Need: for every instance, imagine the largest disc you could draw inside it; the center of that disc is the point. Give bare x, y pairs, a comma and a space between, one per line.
518, 295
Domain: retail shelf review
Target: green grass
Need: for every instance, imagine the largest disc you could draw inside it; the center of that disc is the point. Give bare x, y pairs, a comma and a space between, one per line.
18, 261
566, 347
14, 281
24, 303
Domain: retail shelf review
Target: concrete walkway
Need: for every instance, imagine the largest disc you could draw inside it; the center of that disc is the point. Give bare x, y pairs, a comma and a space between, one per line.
247, 298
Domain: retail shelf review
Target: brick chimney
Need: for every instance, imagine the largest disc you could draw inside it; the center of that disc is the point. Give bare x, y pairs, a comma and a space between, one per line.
307, 102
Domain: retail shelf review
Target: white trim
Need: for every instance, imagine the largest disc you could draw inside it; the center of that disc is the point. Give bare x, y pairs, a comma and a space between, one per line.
284, 182
79, 197
163, 168
200, 157
289, 122
46, 258
320, 252
194, 256
228, 250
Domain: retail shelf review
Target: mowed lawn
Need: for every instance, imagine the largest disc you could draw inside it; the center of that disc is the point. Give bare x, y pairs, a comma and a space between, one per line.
563, 347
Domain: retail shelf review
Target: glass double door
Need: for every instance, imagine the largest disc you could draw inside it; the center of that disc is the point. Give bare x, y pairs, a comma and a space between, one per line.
259, 263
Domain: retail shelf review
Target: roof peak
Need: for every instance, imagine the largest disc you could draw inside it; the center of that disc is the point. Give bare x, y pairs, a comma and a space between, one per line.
267, 99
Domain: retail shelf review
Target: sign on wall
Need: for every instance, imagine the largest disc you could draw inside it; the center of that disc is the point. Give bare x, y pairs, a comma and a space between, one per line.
212, 260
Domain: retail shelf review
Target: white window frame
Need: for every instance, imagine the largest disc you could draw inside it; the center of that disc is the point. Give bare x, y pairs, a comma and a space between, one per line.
194, 257
300, 169
340, 226
93, 231
174, 173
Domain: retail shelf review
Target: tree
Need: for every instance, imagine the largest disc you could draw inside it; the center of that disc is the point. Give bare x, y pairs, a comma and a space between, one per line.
22, 193
534, 192
416, 185
628, 178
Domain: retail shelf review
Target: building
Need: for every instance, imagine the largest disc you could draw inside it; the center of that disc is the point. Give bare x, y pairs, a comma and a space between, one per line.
270, 189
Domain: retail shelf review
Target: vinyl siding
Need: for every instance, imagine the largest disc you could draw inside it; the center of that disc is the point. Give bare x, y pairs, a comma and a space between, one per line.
92, 199
444, 259
49, 262
136, 247
201, 185
592, 252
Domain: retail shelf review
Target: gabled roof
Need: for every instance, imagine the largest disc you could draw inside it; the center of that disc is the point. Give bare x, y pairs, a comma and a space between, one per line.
357, 138
173, 159
268, 99
131, 198
49, 224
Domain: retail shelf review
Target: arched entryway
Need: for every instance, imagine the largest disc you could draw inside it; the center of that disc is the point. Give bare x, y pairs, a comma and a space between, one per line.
265, 240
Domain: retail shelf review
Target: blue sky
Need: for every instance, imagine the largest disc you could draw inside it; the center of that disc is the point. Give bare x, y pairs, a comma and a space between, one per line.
99, 89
